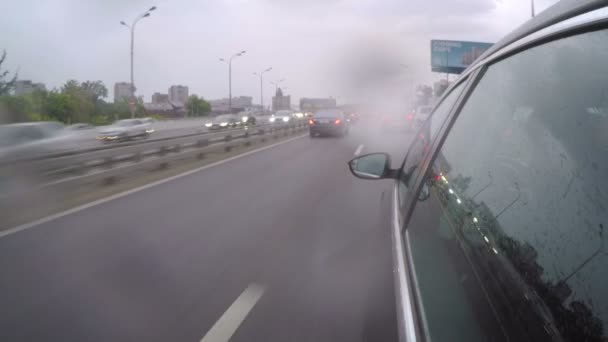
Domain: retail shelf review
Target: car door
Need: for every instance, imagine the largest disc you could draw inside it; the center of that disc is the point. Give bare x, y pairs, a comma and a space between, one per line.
505, 235
403, 191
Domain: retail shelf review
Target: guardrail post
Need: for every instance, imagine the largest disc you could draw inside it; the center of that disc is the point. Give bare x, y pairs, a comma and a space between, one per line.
162, 150
228, 137
137, 156
261, 131
228, 148
202, 143
177, 148
107, 162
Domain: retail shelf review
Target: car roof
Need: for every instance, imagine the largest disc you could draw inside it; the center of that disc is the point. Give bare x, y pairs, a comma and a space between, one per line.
561, 11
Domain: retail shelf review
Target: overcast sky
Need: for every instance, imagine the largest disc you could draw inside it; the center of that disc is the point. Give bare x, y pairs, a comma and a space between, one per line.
316, 45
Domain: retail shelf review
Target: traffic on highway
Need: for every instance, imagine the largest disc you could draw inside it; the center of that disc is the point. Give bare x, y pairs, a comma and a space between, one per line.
378, 185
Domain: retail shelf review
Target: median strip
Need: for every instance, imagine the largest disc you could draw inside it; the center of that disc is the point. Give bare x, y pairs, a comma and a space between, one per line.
69, 196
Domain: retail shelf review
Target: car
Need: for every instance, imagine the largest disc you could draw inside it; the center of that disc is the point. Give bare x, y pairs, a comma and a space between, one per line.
248, 120
353, 117
223, 121
281, 116
421, 113
33, 139
123, 130
328, 122
498, 212
397, 120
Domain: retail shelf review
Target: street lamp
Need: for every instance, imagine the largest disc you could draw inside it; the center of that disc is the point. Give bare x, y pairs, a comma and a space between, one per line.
532, 8
261, 76
229, 62
132, 28
276, 84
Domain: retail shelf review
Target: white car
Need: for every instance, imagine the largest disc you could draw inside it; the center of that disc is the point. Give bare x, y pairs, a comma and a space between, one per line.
126, 129
281, 116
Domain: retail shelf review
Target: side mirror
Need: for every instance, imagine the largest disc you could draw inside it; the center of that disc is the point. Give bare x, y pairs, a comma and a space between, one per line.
371, 166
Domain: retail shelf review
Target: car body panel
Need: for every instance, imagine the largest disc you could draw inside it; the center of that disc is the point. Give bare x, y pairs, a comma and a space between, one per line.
411, 326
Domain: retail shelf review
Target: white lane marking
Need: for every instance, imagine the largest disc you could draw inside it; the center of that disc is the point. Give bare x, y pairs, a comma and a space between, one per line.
53, 217
358, 150
226, 325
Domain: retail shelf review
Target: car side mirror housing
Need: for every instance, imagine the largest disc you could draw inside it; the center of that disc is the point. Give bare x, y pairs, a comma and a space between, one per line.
372, 166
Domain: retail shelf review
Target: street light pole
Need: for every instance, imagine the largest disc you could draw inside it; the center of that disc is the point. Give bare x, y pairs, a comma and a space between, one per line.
532, 8
261, 75
229, 62
132, 28
276, 84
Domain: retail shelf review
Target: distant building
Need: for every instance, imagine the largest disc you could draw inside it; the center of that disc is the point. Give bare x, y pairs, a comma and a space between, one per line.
280, 101
311, 105
122, 91
158, 98
178, 94
23, 87
239, 104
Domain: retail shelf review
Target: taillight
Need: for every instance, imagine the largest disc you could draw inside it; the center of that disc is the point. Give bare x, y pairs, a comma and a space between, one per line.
311, 122
409, 117
338, 121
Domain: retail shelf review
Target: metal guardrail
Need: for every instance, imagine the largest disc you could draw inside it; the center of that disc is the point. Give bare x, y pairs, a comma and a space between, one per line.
105, 164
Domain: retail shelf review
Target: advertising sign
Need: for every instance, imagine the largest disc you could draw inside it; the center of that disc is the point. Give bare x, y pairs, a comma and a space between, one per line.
452, 57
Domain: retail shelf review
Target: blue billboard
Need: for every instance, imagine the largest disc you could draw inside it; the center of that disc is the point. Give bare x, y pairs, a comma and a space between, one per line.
452, 57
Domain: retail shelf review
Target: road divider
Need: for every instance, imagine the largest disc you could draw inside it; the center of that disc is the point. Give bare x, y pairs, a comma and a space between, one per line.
80, 178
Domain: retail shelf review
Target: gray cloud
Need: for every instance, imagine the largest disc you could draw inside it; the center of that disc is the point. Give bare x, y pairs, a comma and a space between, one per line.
314, 44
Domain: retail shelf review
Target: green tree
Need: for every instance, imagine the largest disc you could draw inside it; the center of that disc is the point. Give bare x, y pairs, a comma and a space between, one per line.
13, 109
6, 85
95, 90
197, 106
61, 106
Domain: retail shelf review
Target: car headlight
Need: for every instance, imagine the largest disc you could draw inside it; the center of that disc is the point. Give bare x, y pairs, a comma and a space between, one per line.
224, 124
285, 119
245, 118
150, 130
208, 124
271, 119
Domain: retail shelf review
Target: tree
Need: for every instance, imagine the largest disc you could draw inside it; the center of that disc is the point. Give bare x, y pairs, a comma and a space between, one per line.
95, 90
6, 85
61, 106
197, 106
13, 109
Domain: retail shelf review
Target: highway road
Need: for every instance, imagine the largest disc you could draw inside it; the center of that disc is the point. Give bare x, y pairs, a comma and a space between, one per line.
277, 245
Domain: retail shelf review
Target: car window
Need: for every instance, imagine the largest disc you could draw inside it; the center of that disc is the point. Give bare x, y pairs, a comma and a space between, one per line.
511, 244
422, 140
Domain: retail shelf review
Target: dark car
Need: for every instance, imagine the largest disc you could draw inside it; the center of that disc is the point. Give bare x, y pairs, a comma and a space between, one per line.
499, 210
328, 122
